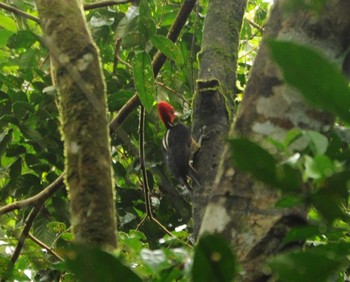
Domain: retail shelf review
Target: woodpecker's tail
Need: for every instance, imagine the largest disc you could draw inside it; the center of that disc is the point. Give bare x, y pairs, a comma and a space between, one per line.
194, 175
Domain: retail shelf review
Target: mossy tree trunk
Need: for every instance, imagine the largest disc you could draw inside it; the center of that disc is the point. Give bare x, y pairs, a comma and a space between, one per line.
213, 102
88, 173
240, 208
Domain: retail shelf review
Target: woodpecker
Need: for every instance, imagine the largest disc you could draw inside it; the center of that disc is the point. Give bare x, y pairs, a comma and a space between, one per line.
177, 145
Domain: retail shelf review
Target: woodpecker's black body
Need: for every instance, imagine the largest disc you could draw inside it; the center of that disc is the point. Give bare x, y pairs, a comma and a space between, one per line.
176, 145
176, 150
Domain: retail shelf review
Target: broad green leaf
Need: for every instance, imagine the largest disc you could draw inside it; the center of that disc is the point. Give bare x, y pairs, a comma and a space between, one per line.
144, 79
318, 142
22, 39
329, 199
5, 140
94, 265
318, 167
21, 108
288, 179
4, 36
318, 263
128, 22
302, 233
16, 168
168, 48
147, 28
250, 157
8, 23
318, 80
145, 11
213, 260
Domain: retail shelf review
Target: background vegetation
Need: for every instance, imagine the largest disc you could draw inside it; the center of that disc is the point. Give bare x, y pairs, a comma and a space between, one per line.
31, 154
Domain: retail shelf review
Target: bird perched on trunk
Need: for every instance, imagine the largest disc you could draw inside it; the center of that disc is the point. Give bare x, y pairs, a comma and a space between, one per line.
177, 146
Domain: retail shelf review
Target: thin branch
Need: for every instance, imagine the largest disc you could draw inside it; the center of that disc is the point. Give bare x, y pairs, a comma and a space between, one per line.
103, 4
32, 201
24, 234
253, 24
86, 8
44, 246
19, 12
157, 63
146, 189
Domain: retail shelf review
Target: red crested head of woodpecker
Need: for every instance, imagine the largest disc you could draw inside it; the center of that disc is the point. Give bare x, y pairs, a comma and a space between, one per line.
166, 113
176, 145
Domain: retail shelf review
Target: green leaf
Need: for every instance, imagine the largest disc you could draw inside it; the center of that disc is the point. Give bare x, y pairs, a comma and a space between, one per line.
5, 140
318, 80
168, 48
144, 79
147, 28
213, 260
302, 233
8, 23
318, 142
4, 36
22, 39
329, 199
94, 265
318, 167
250, 157
21, 108
16, 168
145, 11
318, 263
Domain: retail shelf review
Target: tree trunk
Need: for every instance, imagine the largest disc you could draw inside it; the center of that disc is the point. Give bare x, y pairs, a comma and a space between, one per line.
213, 103
83, 120
241, 208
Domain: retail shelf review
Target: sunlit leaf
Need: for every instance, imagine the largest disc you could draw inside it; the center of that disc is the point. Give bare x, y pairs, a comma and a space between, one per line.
8, 23
168, 48
144, 79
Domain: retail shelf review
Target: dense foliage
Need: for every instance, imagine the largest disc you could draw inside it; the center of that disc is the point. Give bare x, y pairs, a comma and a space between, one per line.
31, 155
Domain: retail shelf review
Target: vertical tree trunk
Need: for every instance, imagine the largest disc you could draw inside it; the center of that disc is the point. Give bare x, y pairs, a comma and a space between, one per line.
241, 208
83, 120
213, 103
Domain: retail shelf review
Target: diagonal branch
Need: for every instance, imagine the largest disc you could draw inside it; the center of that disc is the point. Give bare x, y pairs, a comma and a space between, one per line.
33, 201
24, 234
157, 63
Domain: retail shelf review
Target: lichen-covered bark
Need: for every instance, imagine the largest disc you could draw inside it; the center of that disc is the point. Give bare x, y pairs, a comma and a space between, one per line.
213, 102
83, 120
241, 208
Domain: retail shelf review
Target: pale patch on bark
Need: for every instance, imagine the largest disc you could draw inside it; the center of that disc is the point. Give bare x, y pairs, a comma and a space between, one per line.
215, 218
74, 147
85, 61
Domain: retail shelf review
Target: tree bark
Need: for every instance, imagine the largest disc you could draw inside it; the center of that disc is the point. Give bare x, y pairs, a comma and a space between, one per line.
241, 208
84, 121
213, 102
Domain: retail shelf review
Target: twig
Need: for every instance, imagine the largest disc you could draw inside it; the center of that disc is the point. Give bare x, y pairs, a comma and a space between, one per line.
157, 63
24, 234
86, 8
146, 190
104, 4
253, 24
32, 201
19, 12
44, 246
